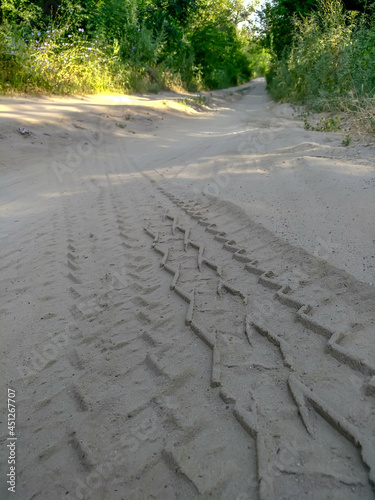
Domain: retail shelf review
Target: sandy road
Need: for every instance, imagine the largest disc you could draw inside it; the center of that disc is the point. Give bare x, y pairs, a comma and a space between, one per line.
302, 185
178, 320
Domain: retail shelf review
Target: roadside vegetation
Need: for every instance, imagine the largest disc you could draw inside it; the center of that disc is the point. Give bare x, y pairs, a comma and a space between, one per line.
323, 56
91, 46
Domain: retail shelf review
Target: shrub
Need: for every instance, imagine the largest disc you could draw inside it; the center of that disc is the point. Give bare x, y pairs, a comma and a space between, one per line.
330, 64
57, 61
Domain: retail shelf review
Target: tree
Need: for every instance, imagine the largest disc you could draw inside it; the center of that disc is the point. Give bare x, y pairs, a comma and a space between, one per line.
277, 21
218, 47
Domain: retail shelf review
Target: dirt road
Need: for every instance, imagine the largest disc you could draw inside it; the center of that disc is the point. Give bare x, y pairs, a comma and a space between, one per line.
187, 301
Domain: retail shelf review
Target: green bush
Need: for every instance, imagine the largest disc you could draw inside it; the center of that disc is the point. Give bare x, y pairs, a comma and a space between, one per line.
58, 61
330, 64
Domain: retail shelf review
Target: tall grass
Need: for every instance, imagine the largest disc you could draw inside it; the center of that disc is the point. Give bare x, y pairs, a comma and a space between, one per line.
331, 63
57, 60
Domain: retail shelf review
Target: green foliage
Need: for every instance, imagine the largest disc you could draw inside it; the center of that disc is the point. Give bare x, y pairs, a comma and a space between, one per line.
196, 101
278, 19
126, 45
330, 64
220, 48
21, 11
331, 124
346, 141
41, 13
58, 61
259, 57
117, 19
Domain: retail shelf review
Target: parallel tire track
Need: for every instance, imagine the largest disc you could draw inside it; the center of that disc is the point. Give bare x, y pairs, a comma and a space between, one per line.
299, 371
194, 364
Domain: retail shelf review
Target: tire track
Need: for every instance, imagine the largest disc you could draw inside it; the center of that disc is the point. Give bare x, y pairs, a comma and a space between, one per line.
203, 368
284, 292
177, 387
341, 424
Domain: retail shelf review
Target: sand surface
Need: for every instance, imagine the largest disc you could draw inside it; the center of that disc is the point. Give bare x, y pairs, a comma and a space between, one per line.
187, 300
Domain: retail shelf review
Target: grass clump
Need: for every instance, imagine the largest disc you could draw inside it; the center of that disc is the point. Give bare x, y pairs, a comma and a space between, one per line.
346, 141
195, 101
331, 124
